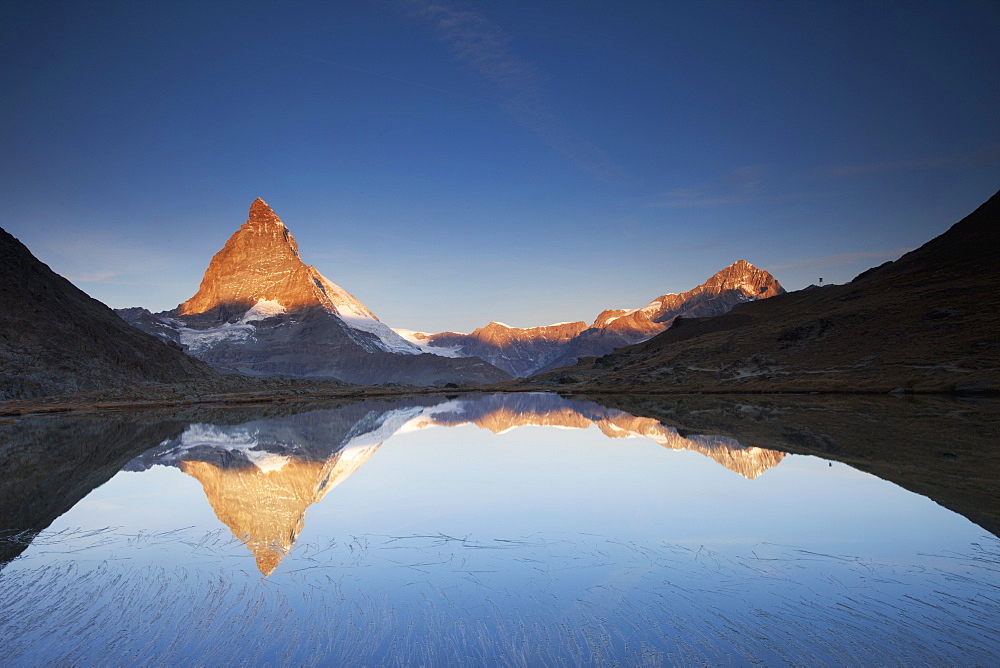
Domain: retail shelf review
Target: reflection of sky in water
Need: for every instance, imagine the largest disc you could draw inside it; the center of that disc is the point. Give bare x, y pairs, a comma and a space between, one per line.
452, 545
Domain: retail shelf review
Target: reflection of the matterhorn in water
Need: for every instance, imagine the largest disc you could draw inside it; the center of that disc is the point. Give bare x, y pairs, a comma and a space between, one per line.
265, 506
261, 476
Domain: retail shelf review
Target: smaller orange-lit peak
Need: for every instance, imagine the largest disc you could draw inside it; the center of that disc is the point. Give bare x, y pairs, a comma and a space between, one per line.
260, 212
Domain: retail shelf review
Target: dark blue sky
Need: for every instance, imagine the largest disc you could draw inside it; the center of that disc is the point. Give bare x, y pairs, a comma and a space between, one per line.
530, 162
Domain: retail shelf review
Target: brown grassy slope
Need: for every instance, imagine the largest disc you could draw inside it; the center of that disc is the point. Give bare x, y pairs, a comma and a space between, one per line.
928, 322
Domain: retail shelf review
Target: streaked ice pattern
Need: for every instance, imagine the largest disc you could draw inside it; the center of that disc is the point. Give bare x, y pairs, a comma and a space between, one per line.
534, 600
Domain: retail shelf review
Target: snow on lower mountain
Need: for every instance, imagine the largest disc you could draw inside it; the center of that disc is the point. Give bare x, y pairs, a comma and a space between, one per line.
419, 339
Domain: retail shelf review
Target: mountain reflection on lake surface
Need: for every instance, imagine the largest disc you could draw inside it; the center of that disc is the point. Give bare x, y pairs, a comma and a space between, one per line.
434, 530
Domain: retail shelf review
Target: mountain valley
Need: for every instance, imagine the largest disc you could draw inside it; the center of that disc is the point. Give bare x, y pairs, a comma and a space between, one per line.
261, 311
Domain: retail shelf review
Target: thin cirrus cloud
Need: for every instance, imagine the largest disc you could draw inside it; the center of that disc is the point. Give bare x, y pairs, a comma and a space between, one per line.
981, 157
839, 259
103, 260
742, 186
481, 47
94, 277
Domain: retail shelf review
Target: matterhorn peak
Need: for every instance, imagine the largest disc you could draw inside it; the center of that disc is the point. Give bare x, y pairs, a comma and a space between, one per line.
260, 212
261, 262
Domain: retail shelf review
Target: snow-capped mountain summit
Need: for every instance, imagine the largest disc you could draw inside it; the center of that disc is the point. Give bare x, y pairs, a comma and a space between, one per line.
261, 310
259, 274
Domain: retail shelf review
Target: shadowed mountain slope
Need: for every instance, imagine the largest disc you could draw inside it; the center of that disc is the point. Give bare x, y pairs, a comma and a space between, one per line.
54, 339
927, 322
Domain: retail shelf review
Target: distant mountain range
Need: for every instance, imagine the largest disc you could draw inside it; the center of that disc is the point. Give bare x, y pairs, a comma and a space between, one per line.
262, 311
927, 322
523, 352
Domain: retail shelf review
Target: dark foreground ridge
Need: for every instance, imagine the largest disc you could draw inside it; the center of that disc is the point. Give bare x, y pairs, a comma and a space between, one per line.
54, 339
927, 322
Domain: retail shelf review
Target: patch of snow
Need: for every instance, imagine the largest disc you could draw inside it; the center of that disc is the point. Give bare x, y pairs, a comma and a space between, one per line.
197, 340
354, 452
411, 335
357, 316
388, 338
228, 438
389, 424
425, 347
234, 439
345, 304
652, 306
268, 462
425, 418
264, 308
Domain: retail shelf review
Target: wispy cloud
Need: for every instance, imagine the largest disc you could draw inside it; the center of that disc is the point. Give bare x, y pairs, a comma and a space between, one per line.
981, 157
95, 277
744, 185
103, 259
840, 259
482, 47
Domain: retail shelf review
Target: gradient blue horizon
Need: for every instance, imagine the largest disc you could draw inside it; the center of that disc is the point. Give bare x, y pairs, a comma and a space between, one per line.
454, 163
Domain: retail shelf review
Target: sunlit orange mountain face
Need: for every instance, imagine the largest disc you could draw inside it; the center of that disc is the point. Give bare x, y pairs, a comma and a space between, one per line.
260, 477
261, 310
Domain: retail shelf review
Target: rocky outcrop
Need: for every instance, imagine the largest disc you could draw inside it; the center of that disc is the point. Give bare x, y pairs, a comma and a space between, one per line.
523, 352
55, 339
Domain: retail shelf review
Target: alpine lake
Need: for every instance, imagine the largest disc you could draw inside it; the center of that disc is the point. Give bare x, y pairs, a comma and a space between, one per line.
506, 529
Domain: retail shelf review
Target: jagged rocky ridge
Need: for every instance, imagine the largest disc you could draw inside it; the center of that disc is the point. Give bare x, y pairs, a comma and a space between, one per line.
261, 476
55, 339
526, 351
261, 311
927, 322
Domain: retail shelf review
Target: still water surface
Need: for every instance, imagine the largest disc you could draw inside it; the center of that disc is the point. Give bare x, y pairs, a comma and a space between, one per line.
499, 529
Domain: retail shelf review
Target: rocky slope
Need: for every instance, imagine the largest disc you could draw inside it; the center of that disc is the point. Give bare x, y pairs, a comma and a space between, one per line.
522, 352
261, 311
55, 339
927, 322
